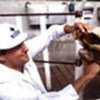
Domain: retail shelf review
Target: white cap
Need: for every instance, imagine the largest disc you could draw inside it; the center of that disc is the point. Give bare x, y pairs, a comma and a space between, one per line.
10, 36
96, 31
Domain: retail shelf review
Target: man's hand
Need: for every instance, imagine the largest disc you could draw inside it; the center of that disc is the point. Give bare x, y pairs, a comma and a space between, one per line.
80, 28
83, 27
77, 29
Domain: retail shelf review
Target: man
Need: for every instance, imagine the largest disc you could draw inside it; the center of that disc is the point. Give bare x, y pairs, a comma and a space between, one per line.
19, 77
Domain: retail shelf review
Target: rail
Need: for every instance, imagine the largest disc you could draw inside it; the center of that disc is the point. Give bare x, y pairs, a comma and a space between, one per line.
36, 14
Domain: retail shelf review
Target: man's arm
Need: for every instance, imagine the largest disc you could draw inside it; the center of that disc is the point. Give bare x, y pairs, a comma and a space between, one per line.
89, 73
42, 41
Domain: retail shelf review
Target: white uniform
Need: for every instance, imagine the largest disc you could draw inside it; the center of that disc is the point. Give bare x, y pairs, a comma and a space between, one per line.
28, 85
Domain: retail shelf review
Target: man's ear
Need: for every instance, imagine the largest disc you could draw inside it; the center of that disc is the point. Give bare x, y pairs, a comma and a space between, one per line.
2, 58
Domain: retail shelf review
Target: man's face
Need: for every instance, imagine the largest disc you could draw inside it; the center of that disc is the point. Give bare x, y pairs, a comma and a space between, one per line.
17, 57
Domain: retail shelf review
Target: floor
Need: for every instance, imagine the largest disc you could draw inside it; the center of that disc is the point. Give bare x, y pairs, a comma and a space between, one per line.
60, 76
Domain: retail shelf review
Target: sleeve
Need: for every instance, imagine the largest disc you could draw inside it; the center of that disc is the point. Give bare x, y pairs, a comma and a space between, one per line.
42, 41
68, 93
20, 92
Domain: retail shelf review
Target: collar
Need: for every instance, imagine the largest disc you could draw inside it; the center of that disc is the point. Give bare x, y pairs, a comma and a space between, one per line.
8, 74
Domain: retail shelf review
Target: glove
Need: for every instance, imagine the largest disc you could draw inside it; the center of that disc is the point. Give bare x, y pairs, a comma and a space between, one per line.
91, 45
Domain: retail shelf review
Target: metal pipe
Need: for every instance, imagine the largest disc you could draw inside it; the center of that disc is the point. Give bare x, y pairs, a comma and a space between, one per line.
35, 14
55, 62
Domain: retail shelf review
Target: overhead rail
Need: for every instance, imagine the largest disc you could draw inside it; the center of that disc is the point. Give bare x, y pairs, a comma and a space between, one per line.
36, 14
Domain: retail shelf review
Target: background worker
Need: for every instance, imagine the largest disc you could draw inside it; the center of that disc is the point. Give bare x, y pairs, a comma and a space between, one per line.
19, 76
